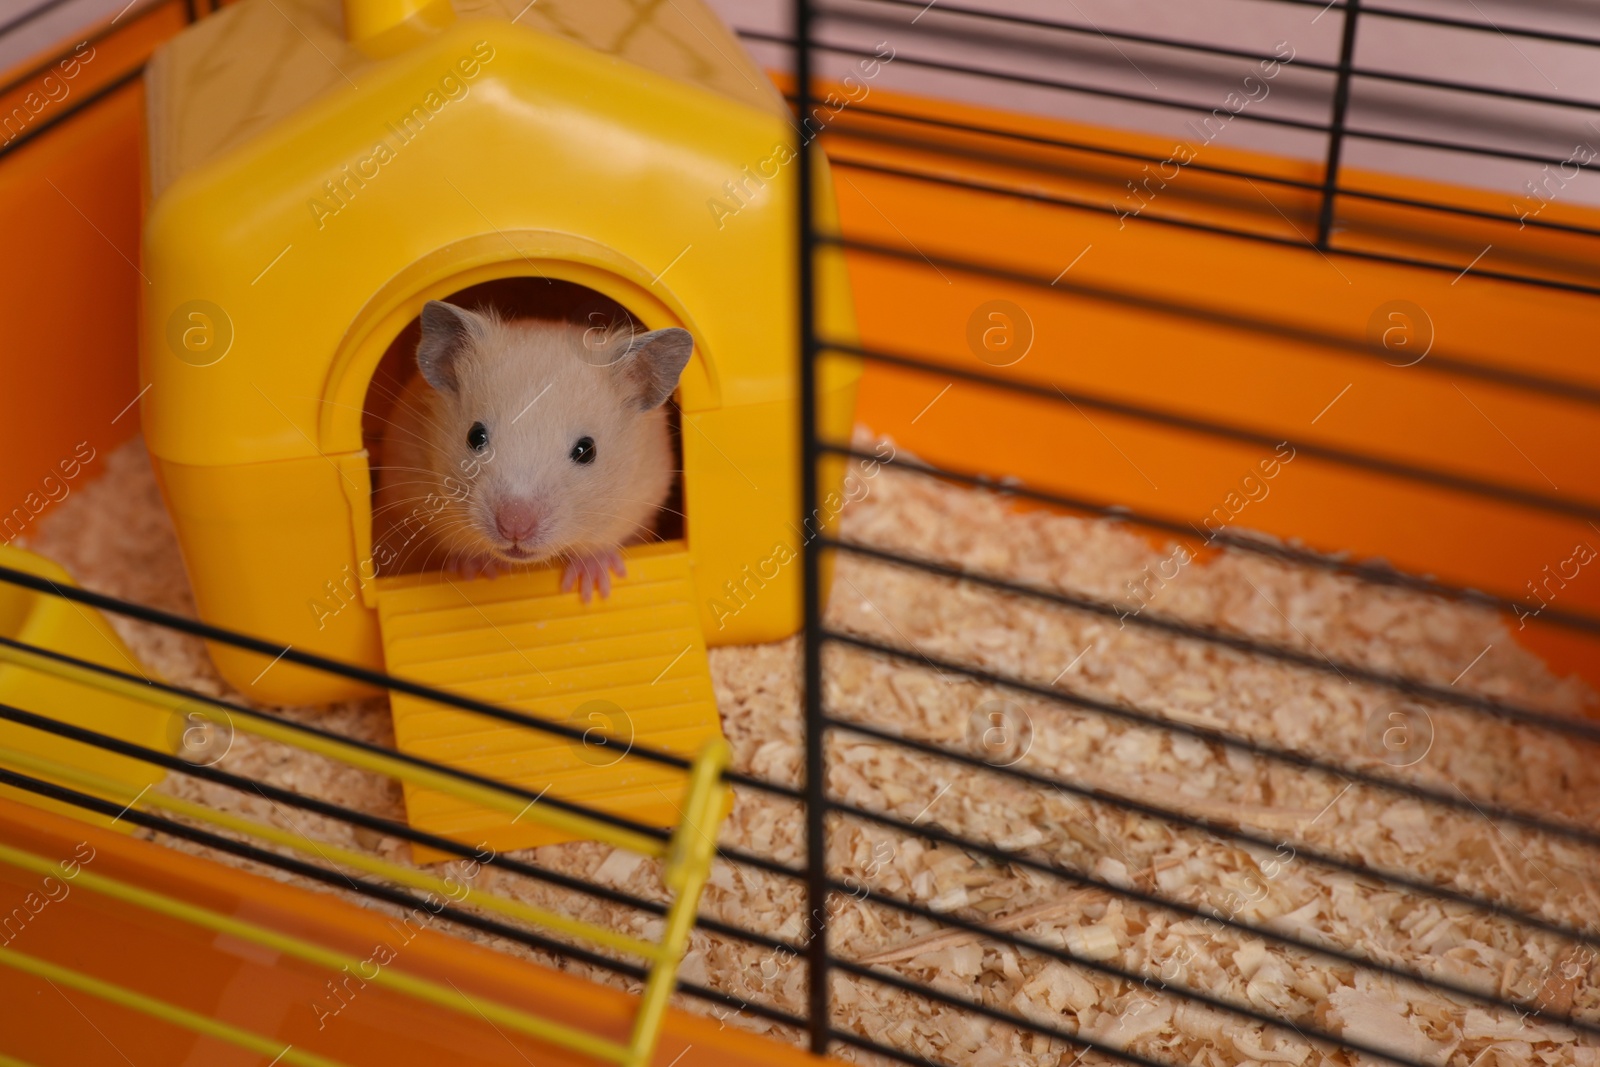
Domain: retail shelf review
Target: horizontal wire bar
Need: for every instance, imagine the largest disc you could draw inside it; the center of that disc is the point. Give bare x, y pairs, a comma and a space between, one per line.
1451, 146
1467, 87
1224, 231
1487, 151
1457, 269
28, 15
377, 823
866, 1044
1479, 27
305, 869
1038, 140
321, 957
1350, 131
855, 130
289, 654
375, 891
733, 855
933, 29
1358, 868
1580, 728
1360, 347
907, 985
1045, 83
60, 115
367, 746
739, 1005
1243, 1010
1221, 231
165, 619
1442, 20
1056, 200
400, 830
1576, 392
165, 1011
1320, 5
1354, 959
1007, 18
105, 32
401, 898
1376, 574
561, 814
1238, 742
1357, 193
1344, 457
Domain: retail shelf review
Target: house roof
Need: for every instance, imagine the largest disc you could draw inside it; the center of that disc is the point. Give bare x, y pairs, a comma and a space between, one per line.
240, 71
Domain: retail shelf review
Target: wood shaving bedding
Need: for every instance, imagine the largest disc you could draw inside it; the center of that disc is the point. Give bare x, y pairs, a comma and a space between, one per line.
114, 536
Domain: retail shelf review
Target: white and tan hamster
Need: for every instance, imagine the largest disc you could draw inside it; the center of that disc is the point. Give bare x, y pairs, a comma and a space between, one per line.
522, 442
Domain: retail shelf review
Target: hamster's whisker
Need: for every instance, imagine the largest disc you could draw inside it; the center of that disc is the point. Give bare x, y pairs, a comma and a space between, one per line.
614, 515
413, 470
417, 504
661, 507
427, 478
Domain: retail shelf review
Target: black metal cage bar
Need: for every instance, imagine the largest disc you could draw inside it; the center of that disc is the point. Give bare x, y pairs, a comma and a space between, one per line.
1344, 76
884, 124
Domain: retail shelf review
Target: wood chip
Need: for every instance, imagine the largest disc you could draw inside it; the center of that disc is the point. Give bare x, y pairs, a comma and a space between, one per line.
114, 535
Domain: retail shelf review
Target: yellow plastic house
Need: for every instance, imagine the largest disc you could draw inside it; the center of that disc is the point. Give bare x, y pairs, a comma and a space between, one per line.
315, 176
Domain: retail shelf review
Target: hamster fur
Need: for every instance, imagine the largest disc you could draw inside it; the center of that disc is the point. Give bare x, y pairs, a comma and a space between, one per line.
521, 442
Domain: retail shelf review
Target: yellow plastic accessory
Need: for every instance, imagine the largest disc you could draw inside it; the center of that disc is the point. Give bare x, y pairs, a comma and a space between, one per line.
49, 622
687, 865
630, 669
310, 191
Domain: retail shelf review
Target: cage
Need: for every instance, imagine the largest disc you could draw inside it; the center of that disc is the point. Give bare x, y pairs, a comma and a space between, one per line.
1208, 669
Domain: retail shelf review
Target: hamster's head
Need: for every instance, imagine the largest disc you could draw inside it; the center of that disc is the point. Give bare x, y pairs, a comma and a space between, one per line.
550, 438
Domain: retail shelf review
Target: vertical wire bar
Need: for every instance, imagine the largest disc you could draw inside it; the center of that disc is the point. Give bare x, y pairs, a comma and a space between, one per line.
811, 551
1341, 104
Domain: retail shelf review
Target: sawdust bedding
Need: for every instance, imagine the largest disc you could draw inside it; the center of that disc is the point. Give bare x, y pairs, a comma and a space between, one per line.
114, 536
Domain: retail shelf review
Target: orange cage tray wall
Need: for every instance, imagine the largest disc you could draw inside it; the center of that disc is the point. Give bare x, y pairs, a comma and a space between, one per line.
250, 986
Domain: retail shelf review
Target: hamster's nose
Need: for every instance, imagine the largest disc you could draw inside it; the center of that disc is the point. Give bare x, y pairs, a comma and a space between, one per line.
517, 520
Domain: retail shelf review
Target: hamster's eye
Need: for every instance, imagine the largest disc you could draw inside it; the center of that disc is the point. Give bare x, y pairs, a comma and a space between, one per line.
583, 451
477, 437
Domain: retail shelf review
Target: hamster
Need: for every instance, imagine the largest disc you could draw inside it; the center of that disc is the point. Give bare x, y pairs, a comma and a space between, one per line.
521, 442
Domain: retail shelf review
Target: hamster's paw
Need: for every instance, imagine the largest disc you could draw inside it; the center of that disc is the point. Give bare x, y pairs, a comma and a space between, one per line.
469, 567
592, 571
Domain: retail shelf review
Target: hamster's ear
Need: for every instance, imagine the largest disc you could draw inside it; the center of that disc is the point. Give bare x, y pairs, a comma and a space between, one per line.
653, 363
446, 332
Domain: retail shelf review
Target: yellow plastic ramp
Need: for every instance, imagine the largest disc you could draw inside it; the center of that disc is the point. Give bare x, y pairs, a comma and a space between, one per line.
37, 620
632, 666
